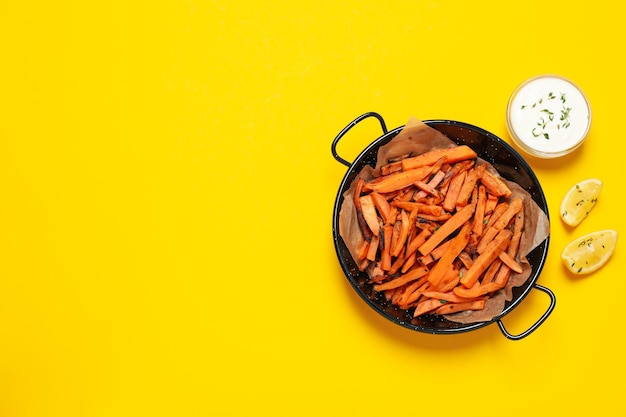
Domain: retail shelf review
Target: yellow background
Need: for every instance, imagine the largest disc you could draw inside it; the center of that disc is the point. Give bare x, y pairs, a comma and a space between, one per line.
166, 189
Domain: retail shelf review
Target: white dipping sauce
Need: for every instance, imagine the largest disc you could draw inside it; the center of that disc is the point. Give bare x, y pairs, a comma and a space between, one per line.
548, 116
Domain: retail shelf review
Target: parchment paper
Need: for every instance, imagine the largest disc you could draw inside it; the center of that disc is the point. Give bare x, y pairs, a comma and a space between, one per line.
416, 138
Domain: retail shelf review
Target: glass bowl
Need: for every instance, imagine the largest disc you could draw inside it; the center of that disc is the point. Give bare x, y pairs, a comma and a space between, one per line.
548, 116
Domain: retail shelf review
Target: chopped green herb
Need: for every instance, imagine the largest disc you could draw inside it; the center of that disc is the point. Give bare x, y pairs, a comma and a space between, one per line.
544, 122
533, 132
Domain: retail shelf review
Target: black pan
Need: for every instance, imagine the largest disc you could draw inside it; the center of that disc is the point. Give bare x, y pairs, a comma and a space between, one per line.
509, 164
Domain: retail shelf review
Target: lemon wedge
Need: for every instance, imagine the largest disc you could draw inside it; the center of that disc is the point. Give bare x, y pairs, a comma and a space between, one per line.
589, 252
579, 201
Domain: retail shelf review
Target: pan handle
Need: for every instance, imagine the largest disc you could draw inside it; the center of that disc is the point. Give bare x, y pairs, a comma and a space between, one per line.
345, 130
538, 323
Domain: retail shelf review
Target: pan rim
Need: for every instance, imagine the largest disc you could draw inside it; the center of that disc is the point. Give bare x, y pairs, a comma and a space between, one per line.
522, 291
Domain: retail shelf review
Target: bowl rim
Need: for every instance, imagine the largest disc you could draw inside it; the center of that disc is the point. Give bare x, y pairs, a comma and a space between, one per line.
529, 149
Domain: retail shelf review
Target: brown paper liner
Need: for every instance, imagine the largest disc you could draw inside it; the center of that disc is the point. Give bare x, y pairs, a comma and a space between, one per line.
417, 138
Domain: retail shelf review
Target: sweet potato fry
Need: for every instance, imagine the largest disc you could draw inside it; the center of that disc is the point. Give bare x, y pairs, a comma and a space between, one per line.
408, 263
422, 208
427, 188
490, 205
391, 167
504, 272
406, 194
369, 213
426, 306
417, 241
395, 294
456, 246
479, 215
450, 308
431, 210
397, 265
482, 262
380, 277
496, 213
451, 155
500, 223
491, 272
412, 293
502, 276
451, 225
477, 290
403, 279
468, 185
424, 224
412, 218
466, 259
435, 218
514, 207
436, 167
449, 202
434, 255
372, 250
365, 230
385, 256
363, 265
495, 185
449, 296
518, 226
404, 233
433, 184
393, 215
454, 170
382, 205
363, 250
377, 274
395, 235
510, 262
451, 279
397, 180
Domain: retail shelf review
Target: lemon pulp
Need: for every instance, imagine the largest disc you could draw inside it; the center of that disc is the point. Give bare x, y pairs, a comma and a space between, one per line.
589, 252
579, 200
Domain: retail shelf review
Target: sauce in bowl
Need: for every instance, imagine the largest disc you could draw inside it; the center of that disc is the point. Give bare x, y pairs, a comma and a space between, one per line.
548, 116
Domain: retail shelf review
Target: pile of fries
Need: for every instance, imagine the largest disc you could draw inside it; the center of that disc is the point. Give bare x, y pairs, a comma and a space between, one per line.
441, 231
